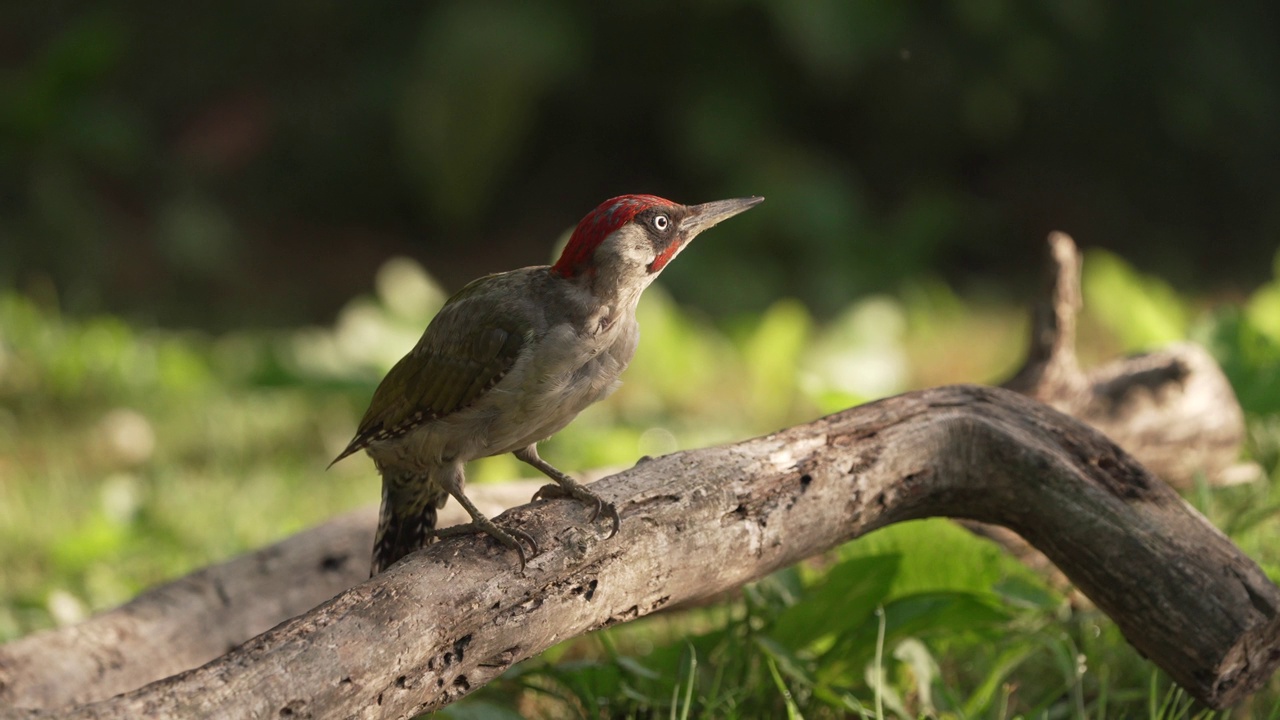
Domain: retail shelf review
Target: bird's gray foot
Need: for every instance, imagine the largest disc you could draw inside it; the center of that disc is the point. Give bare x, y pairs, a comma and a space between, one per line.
480, 523
510, 538
567, 488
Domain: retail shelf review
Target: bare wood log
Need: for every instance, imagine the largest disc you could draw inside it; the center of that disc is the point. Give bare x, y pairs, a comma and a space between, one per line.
186, 623
157, 635
453, 617
1173, 409
1051, 371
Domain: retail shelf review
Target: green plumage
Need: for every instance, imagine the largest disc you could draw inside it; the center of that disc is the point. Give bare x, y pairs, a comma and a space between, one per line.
469, 346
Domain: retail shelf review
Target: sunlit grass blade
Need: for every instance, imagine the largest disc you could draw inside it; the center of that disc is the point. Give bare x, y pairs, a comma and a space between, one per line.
878, 689
981, 698
793, 710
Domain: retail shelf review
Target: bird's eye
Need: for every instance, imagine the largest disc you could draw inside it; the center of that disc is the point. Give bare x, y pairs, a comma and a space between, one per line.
661, 223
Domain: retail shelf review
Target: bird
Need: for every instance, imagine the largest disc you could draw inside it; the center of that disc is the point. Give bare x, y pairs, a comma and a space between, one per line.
510, 360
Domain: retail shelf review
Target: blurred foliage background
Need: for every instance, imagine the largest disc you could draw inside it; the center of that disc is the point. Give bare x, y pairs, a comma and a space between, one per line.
239, 163
220, 224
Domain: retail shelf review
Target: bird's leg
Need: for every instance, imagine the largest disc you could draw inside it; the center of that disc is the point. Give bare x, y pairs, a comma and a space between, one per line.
567, 487
452, 480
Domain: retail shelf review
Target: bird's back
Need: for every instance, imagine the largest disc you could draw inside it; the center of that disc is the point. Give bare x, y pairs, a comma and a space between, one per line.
509, 360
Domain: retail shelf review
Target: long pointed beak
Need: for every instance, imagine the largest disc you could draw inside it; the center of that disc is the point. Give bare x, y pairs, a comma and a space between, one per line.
706, 215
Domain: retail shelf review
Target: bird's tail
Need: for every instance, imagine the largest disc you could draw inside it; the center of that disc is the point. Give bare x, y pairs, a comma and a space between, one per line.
408, 516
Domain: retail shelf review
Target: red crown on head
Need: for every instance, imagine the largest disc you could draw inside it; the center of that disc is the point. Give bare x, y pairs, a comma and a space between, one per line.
598, 225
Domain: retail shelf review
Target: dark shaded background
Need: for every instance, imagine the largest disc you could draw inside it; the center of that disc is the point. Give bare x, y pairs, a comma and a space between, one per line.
240, 163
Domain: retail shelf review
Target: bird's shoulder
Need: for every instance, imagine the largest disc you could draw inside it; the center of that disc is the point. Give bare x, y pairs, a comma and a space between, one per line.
468, 347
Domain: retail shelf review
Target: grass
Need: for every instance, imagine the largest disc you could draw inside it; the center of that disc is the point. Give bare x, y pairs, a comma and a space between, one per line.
130, 456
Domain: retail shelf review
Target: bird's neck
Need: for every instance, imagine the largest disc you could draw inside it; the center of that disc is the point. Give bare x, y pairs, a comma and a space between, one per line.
610, 299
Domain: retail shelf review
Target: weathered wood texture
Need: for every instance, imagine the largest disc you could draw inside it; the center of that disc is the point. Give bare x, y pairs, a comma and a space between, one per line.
449, 619
180, 625
1173, 408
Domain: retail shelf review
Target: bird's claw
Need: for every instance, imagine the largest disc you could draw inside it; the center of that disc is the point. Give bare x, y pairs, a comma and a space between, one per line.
510, 538
549, 492
612, 512
585, 496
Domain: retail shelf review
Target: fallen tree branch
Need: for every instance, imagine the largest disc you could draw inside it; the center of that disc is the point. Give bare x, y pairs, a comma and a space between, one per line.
453, 617
1173, 409
188, 622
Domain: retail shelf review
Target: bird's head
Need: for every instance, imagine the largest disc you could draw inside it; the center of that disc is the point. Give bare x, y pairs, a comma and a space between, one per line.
631, 238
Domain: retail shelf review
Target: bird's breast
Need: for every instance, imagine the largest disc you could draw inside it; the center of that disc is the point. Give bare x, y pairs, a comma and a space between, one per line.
578, 369
559, 377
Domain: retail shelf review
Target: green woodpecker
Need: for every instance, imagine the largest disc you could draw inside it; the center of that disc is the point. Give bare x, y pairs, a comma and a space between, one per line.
510, 360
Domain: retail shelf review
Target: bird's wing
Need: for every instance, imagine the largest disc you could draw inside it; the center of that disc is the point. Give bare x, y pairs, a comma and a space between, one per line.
470, 345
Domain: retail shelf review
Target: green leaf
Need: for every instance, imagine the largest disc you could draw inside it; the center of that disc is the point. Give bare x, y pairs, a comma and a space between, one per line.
844, 599
944, 612
969, 563
952, 611
1027, 593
